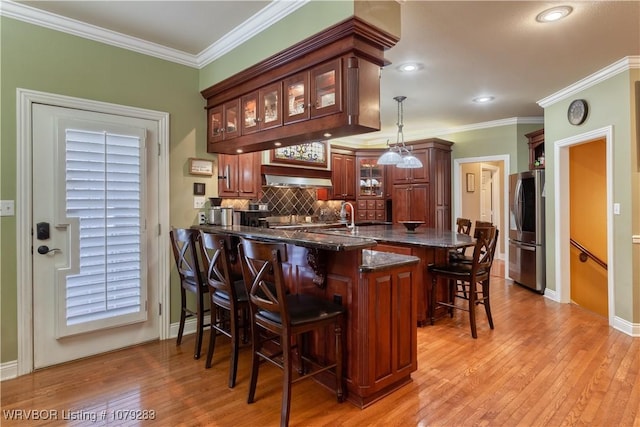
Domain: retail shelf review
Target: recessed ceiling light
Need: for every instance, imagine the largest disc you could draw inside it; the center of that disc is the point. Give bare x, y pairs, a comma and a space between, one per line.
277, 144
409, 67
327, 135
483, 99
554, 14
239, 150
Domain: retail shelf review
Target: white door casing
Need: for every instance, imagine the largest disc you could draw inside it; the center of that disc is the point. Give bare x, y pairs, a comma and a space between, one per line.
159, 208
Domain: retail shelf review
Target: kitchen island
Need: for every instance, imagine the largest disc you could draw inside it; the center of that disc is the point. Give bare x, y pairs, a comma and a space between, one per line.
430, 245
379, 290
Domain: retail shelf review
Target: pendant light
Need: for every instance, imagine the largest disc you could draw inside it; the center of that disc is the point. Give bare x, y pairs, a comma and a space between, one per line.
398, 154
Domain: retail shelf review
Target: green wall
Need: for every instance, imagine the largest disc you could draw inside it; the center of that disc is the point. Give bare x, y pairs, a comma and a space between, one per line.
611, 103
39, 59
502, 140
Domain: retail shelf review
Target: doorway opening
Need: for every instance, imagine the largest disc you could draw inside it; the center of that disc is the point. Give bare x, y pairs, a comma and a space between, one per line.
468, 199
563, 219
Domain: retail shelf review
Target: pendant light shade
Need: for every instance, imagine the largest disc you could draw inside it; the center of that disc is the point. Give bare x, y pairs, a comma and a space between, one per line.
398, 154
390, 157
409, 161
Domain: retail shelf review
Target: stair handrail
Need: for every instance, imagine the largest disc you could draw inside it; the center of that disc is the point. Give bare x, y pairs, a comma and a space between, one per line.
586, 253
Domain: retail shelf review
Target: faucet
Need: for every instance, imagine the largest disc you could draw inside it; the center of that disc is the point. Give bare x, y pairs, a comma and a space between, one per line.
343, 215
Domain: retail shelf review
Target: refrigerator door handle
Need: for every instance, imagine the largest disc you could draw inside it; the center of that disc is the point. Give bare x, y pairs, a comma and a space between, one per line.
518, 205
530, 248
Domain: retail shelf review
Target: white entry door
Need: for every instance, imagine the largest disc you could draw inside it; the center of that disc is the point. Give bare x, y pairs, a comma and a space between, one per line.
94, 193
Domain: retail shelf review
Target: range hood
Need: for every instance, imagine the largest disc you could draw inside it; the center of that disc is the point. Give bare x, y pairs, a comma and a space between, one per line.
279, 176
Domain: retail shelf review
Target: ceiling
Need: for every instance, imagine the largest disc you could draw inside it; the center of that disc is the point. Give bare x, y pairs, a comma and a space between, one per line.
466, 48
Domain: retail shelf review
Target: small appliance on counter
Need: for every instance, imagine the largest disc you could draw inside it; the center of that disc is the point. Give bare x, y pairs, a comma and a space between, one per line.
226, 216
252, 217
215, 213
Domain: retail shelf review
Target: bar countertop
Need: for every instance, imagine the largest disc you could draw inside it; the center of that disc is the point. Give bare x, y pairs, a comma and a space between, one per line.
333, 242
398, 234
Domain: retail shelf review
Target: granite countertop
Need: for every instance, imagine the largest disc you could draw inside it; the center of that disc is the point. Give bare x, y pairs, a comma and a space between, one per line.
337, 242
422, 236
375, 260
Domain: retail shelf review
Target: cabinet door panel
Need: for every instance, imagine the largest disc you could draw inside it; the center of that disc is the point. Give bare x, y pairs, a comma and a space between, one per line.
250, 118
231, 119
227, 172
215, 124
419, 203
401, 202
247, 182
296, 89
270, 99
326, 89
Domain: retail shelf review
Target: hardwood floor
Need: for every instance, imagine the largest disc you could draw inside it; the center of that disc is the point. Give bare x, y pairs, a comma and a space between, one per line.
545, 364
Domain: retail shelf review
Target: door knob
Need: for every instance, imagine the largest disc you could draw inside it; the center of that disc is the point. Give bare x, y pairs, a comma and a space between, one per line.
43, 250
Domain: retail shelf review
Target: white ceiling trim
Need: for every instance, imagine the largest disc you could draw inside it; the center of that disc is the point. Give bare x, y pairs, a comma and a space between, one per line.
274, 12
617, 67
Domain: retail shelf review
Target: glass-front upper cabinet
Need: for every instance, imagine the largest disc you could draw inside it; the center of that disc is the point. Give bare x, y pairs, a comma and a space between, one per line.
261, 109
231, 116
223, 122
313, 93
297, 102
326, 86
371, 177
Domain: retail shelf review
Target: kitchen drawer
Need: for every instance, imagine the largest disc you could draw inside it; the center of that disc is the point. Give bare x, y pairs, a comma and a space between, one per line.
362, 204
371, 214
362, 214
371, 204
380, 205
380, 215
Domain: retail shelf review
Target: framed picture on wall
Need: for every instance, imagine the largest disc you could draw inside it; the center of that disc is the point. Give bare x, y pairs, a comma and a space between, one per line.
471, 183
308, 154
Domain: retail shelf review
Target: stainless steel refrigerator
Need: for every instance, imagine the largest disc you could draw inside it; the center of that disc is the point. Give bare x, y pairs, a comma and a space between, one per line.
526, 229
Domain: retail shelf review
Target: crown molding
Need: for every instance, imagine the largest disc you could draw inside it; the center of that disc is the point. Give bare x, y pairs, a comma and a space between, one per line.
617, 67
275, 11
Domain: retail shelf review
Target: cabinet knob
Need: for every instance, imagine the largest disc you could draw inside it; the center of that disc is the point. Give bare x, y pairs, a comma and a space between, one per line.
258, 120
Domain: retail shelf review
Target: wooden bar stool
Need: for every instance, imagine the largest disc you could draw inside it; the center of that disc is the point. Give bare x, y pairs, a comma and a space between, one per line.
228, 297
286, 318
184, 244
471, 280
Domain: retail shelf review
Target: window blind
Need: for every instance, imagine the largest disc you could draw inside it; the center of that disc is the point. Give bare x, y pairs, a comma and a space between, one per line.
103, 190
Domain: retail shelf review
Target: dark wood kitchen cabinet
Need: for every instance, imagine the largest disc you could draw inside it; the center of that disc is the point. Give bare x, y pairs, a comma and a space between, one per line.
424, 194
313, 93
262, 109
372, 188
330, 87
410, 176
343, 175
239, 175
223, 123
536, 149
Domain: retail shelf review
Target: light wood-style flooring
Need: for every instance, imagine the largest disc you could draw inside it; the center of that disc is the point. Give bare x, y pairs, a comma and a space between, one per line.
545, 364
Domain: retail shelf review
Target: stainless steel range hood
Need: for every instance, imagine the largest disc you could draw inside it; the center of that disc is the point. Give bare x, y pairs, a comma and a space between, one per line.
279, 176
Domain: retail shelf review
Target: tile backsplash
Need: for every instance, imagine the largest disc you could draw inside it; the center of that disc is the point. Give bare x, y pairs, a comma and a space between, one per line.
292, 201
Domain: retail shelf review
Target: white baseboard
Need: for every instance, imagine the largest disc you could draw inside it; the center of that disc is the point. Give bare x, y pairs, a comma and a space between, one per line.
8, 370
551, 294
626, 327
189, 327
